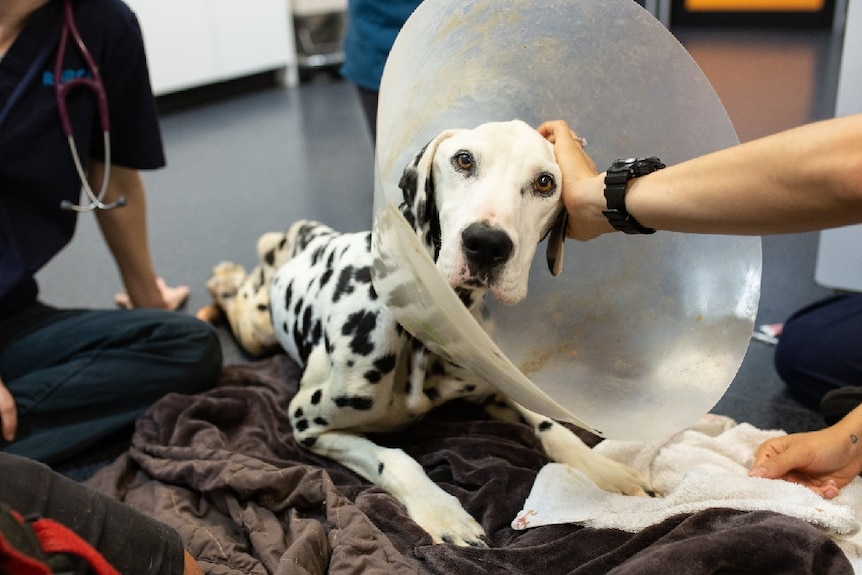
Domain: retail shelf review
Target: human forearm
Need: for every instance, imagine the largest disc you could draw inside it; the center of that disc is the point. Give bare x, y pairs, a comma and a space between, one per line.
799, 180
125, 231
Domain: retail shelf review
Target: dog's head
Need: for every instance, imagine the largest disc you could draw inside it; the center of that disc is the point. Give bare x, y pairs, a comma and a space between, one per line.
481, 200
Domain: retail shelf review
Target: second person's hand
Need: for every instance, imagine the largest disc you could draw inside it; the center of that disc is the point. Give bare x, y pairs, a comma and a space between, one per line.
174, 297
824, 460
8, 414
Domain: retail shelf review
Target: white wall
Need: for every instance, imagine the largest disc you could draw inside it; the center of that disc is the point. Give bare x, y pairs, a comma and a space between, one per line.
839, 256
194, 42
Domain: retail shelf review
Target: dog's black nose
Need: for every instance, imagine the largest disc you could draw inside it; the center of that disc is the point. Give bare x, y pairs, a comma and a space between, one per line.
486, 247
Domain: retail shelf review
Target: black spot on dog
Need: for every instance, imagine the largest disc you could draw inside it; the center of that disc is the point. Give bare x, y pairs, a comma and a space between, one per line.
409, 184
320, 421
386, 363
316, 332
317, 254
299, 343
306, 320
345, 284
437, 368
309, 442
325, 277
262, 307
360, 325
546, 425
288, 295
372, 376
304, 236
432, 394
356, 402
382, 366
298, 413
302, 425
380, 468
465, 295
315, 397
363, 275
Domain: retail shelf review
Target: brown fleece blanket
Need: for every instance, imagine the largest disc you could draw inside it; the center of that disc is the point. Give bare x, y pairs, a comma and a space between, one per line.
222, 469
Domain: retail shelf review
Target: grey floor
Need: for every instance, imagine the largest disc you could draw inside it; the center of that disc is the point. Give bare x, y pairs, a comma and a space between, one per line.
260, 158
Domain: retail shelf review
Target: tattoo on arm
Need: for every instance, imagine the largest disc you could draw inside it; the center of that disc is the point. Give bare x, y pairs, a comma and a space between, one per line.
853, 438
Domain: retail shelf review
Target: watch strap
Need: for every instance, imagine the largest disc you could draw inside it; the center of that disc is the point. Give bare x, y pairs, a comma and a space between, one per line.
617, 179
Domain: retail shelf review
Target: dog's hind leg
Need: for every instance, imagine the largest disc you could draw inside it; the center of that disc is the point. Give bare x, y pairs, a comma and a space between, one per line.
244, 299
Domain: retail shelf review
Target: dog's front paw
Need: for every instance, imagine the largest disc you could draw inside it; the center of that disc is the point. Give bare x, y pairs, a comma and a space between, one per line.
617, 477
225, 281
446, 521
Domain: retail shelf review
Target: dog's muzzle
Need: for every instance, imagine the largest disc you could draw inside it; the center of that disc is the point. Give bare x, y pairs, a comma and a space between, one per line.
485, 249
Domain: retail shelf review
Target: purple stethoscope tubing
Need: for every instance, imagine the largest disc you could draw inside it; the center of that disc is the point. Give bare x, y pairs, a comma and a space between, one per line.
95, 85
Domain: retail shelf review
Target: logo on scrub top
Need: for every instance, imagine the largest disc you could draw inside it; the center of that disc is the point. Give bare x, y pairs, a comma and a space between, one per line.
65, 76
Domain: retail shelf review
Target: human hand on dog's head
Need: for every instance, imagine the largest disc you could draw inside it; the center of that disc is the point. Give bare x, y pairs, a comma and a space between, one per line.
583, 186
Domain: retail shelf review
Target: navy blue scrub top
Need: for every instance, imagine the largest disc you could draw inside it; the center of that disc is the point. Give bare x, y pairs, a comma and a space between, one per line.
36, 167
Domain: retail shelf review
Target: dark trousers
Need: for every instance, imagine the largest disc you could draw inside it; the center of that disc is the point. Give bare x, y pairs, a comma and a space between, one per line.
369, 108
130, 541
82, 376
820, 348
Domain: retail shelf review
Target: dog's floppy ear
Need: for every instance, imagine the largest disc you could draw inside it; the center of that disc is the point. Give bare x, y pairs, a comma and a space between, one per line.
417, 187
556, 240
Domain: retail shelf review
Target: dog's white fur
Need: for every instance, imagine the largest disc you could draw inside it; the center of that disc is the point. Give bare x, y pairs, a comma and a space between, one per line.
480, 200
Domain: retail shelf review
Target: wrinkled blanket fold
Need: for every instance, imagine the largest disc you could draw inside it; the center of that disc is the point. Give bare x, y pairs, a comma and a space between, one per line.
222, 469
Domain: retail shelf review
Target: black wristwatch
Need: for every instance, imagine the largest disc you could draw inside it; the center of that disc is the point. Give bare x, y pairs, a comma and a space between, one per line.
616, 182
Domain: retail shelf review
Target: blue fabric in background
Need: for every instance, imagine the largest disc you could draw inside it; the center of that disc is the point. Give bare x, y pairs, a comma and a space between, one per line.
371, 31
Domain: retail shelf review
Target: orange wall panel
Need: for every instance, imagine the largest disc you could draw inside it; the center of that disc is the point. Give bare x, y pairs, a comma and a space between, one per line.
754, 5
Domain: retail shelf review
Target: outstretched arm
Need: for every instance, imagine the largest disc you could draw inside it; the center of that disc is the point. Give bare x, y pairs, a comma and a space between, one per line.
798, 180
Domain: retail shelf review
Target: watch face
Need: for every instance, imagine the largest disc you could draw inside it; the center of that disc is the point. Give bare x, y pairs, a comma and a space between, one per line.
620, 165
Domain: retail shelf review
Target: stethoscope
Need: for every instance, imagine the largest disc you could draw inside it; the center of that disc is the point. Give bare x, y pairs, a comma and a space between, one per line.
61, 91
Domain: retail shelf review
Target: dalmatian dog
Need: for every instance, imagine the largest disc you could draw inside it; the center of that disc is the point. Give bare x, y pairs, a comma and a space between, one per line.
480, 201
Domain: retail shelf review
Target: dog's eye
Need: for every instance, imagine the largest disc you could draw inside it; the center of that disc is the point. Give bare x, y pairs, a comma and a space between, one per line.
463, 161
544, 184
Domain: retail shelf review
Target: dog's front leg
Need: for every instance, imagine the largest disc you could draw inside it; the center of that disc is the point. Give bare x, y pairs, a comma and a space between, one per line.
437, 512
563, 446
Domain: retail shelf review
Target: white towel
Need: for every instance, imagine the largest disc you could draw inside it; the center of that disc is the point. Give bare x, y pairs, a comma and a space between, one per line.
702, 467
